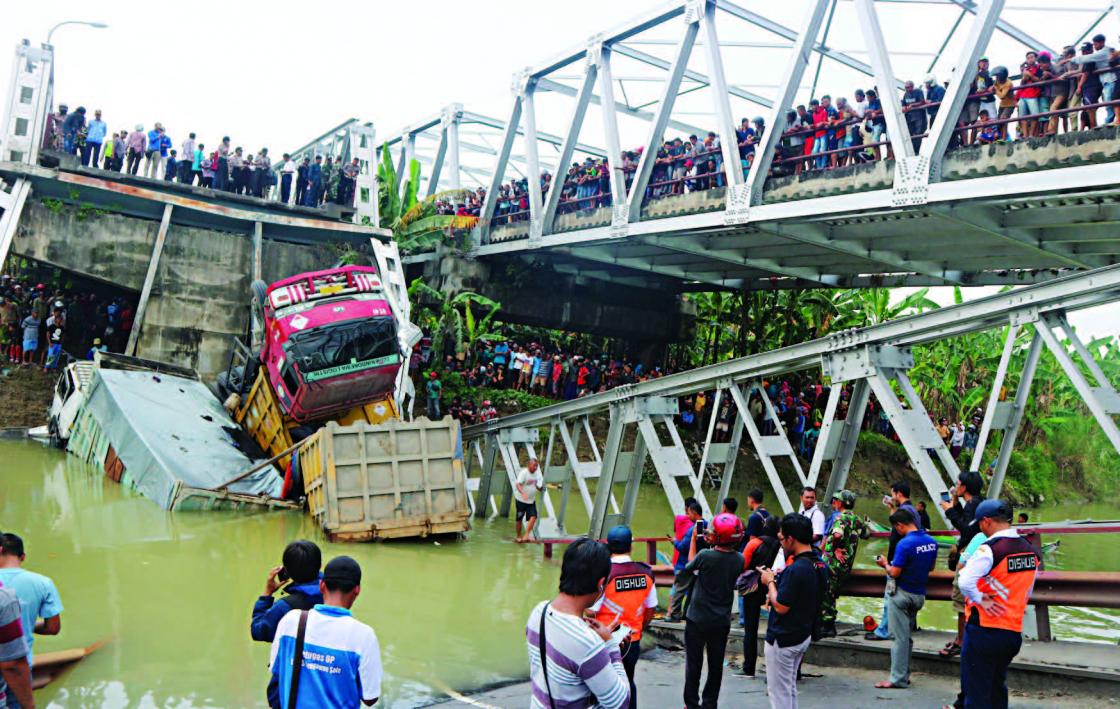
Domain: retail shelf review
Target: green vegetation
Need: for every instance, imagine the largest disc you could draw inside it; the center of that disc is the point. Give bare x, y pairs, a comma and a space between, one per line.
414, 222
451, 321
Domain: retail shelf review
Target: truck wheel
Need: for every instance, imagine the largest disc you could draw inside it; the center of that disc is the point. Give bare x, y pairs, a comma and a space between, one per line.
52, 429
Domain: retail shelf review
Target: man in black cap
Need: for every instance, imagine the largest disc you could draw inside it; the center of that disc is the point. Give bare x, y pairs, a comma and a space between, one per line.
346, 667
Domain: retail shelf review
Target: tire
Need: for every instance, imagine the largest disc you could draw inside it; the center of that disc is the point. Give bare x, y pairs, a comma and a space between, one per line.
52, 429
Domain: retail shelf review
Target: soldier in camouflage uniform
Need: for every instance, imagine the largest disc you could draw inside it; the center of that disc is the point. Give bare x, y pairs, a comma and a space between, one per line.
330, 181
839, 552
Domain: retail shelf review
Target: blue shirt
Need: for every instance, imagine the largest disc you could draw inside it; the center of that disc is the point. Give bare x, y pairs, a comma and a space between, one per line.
536, 366
500, 352
916, 555
756, 521
268, 613
95, 132
683, 547
38, 598
153, 140
341, 659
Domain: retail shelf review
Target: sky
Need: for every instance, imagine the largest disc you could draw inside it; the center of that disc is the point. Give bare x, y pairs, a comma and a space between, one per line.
277, 74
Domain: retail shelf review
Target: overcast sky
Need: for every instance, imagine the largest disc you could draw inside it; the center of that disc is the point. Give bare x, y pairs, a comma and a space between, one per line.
279, 73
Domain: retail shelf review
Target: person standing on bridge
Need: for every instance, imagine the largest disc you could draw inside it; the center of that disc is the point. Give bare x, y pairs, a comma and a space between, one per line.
152, 162
899, 499
997, 582
795, 598
962, 517
630, 598
810, 511
186, 153
912, 101
221, 170
137, 142
907, 576
287, 173
571, 659
840, 546
712, 573
314, 183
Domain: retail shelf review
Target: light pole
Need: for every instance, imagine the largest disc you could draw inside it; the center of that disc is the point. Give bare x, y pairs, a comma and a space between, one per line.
95, 25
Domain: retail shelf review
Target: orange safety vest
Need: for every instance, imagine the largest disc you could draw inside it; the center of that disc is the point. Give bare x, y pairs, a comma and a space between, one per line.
1015, 563
625, 596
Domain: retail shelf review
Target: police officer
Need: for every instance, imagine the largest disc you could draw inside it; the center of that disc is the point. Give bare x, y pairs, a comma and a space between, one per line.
996, 582
629, 597
839, 551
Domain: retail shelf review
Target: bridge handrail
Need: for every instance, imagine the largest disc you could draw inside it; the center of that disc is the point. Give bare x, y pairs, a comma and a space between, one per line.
1072, 292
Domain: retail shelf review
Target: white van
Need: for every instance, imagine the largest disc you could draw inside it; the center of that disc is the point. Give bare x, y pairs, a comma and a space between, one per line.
69, 394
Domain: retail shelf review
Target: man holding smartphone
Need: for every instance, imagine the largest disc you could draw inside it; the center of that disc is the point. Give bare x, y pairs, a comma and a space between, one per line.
301, 562
961, 517
908, 572
898, 500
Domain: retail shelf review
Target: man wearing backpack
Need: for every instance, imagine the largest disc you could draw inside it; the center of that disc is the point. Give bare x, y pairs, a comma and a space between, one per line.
795, 599
301, 562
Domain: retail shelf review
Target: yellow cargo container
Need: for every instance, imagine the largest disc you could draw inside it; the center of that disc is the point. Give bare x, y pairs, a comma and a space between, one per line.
387, 481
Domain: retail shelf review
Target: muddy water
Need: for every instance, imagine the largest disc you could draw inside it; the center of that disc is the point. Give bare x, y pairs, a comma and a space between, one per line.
172, 594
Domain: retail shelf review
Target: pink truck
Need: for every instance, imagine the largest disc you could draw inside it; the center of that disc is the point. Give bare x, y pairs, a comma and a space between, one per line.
330, 342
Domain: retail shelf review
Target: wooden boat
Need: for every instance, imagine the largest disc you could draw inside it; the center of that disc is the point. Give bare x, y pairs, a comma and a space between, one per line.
49, 666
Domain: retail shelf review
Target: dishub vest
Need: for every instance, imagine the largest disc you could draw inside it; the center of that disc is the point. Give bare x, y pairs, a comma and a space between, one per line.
625, 596
1014, 567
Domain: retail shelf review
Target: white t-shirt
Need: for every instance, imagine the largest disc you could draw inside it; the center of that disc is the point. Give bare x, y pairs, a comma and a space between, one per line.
530, 483
957, 438
817, 518
521, 361
859, 108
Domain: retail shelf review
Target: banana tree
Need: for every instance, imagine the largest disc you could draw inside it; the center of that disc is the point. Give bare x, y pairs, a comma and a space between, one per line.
452, 318
414, 222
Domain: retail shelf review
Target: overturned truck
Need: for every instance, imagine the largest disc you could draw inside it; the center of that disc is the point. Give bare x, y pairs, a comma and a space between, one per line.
310, 414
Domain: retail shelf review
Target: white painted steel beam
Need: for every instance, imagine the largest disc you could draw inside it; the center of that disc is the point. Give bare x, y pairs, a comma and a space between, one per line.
721, 106
696, 246
9, 220
499, 173
897, 131
533, 166
619, 207
945, 122
1009, 29
657, 129
988, 221
1015, 418
579, 112
149, 281
791, 80
651, 60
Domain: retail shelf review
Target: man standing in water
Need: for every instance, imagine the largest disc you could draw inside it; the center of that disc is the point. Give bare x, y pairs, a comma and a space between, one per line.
583, 667
530, 481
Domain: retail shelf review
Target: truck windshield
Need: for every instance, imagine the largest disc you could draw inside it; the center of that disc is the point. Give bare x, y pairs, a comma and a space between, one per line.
345, 347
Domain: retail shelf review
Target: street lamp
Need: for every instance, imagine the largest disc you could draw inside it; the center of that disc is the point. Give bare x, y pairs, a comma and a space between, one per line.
95, 25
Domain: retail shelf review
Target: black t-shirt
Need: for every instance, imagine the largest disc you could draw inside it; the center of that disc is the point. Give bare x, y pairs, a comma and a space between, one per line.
800, 588
713, 591
756, 521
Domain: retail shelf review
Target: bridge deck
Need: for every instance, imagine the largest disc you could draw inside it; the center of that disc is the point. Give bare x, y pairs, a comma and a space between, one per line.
1005, 214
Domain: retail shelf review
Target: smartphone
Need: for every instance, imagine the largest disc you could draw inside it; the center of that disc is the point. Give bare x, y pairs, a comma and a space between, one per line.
887, 500
945, 496
282, 575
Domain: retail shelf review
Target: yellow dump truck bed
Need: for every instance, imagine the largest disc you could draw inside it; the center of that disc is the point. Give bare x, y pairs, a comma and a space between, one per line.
388, 481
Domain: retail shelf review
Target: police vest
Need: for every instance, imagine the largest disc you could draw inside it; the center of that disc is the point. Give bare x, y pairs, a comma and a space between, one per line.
1014, 566
625, 596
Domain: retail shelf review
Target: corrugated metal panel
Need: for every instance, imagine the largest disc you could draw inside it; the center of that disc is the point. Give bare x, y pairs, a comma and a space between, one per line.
388, 481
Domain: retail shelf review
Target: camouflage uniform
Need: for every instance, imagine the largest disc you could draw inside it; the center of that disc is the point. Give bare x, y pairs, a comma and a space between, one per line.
841, 543
330, 182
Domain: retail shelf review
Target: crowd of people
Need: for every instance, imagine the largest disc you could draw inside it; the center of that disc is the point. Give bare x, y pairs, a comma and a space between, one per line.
48, 327
227, 168
1048, 95
793, 567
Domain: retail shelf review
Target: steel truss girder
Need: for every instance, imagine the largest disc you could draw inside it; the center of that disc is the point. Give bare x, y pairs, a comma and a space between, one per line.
546, 84
883, 367
945, 122
661, 120
838, 437
9, 220
603, 254
988, 220
897, 131
767, 447
579, 112
791, 81
1009, 29
698, 246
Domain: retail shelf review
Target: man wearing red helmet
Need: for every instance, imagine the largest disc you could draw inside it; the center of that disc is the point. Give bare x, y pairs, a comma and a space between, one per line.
708, 616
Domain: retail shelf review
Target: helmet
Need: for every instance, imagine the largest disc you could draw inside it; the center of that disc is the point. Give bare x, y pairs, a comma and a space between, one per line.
40, 287
619, 539
847, 497
432, 375
485, 402
727, 529
930, 79
1000, 72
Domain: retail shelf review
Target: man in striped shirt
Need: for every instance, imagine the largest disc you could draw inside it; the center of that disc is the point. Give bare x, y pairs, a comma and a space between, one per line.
15, 672
584, 668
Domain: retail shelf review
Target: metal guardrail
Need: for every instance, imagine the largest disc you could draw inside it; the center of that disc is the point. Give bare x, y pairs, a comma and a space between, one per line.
1072, 292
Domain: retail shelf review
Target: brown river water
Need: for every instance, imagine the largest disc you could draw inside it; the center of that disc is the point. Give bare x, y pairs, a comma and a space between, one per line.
171, 594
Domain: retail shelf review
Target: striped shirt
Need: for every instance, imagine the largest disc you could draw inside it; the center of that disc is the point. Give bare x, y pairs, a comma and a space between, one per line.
13, 645
584, 672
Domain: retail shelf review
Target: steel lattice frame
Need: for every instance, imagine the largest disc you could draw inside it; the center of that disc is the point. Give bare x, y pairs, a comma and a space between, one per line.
874, 360
818, 241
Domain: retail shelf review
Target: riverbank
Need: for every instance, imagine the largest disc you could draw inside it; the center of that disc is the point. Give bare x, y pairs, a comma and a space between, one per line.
25, 396
660, 677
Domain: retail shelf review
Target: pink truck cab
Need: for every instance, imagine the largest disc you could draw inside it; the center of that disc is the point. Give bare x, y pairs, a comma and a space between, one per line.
330, 342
